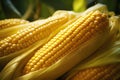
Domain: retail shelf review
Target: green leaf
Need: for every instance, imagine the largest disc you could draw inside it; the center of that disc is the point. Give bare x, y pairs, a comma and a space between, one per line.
79, 5
46, 10
9, 9
2, 15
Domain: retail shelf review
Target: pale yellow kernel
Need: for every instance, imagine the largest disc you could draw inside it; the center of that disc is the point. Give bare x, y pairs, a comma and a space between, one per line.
18, 46
36, 67
32, 69
34, 62
36, 59
41, 61
49, 61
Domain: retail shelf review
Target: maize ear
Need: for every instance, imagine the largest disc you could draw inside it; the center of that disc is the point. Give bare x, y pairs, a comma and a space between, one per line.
6, 23
105, 64
106, 72
35, 32
74, 39
59, 45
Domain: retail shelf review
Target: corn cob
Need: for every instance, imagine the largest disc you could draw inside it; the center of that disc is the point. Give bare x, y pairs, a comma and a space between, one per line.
68, 40
6, 23
101, 66
106, 72
35, 32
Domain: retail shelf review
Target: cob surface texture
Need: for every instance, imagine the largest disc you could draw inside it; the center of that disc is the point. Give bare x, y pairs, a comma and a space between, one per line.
35, 32
68, 40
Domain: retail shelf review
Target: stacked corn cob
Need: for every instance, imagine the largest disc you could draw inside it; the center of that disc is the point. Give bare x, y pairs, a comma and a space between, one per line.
48, 48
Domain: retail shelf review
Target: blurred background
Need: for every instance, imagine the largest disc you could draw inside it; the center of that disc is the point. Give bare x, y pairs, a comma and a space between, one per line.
38, 9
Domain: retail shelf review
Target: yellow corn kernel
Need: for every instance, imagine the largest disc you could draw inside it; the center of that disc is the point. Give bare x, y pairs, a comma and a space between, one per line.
106, 72
11, 22
36, 31
68, 40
